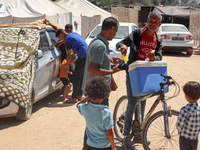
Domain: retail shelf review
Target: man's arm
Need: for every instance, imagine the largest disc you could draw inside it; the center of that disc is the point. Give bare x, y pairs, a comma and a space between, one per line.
69, 47
115, 60
55, 26
111, 138
158, 49
68, 56
122, 45
59, 43
94, 68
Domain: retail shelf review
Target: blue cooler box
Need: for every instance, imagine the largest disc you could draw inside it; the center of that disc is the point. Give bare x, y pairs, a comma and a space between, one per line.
145, 76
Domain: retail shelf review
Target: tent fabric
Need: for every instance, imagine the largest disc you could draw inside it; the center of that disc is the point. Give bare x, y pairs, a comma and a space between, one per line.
83, 8
19, 11
32, 10
5, 19
85, 15
88, 24
173, 11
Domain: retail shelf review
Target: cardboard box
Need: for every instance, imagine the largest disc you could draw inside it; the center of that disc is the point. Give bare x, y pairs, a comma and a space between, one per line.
145, 76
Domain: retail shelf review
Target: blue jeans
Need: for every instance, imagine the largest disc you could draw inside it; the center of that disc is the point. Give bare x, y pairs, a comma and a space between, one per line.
131, 108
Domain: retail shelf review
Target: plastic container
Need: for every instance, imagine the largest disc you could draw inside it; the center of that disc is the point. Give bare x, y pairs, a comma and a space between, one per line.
145, 76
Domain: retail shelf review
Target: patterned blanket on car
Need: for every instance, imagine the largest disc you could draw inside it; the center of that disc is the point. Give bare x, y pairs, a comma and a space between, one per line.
18, 58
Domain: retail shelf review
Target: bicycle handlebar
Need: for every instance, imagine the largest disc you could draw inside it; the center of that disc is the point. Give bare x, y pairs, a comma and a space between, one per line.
168, 82
166, 77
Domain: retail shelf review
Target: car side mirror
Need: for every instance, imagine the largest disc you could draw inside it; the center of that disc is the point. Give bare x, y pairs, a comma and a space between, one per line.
40, 53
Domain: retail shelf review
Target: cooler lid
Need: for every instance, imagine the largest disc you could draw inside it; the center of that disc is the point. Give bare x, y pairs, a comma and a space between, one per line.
137, 64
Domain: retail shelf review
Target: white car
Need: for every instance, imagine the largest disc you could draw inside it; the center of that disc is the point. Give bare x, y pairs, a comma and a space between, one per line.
46, 80
124, 30
176, 37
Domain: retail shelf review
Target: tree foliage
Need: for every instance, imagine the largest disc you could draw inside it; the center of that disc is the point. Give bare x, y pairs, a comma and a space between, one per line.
106, 4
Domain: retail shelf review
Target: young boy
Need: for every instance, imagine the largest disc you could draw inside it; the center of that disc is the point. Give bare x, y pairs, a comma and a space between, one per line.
188, 123
99, 120
63, 75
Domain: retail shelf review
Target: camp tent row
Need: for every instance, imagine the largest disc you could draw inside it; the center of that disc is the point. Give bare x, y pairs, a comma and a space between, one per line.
85, 14
20, 11
81, 13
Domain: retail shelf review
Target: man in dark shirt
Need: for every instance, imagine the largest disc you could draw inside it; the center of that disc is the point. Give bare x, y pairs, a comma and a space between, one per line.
144, 44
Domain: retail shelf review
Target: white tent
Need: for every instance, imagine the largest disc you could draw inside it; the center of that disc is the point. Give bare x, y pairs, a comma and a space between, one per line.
4, 15
84, 14
83, 8
18, 11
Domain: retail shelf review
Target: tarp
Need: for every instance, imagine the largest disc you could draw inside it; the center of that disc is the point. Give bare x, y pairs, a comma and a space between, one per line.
176, 11
31, 10
18, 62
18, 58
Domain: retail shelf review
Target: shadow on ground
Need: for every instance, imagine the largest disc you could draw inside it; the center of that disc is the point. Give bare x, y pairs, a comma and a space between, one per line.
52, 100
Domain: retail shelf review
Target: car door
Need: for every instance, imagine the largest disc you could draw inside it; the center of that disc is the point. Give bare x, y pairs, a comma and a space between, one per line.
45, 66
56, 53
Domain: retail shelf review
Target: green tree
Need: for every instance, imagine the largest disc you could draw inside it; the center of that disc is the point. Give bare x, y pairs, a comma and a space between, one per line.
105, 4
191, 4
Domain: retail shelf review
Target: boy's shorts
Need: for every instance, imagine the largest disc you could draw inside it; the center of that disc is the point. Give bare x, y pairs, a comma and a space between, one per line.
65, 81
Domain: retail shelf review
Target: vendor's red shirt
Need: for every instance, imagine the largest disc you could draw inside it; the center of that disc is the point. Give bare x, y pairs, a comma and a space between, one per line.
146, 45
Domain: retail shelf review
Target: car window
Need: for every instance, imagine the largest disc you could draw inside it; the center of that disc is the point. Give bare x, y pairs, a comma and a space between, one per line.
43, 45
53, 37
174, 29
96, 31
121, 33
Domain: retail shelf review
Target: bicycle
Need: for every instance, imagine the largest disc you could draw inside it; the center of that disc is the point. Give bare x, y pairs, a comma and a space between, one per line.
159, 128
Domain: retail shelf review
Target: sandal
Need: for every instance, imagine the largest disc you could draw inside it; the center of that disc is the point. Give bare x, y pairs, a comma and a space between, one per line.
63, 99
70, 101
68, 97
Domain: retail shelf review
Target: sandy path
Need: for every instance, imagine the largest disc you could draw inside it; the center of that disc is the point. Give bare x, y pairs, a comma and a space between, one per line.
59, 126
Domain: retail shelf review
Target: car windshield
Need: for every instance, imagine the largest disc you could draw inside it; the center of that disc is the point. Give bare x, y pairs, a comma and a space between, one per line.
174, 29
121, 33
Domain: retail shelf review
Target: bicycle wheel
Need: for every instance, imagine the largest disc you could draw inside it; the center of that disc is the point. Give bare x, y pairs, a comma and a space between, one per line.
118, 116
155, 132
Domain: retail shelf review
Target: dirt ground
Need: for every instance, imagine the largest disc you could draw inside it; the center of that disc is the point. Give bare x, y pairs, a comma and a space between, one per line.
59, 126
